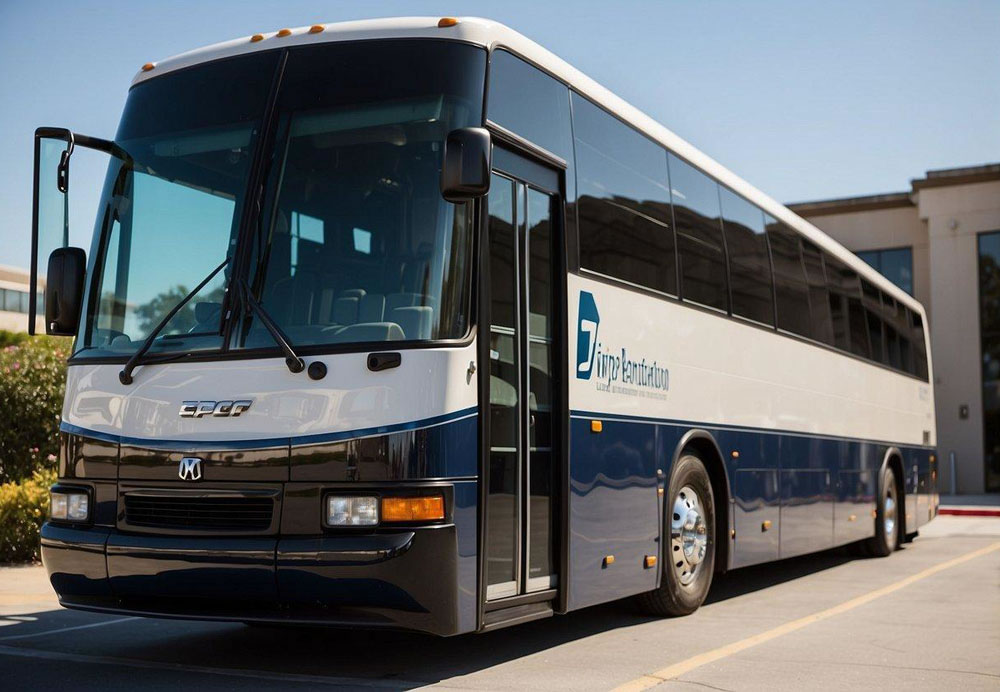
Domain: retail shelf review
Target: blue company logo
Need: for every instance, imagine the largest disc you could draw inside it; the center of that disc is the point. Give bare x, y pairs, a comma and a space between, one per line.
617, 370
587, 323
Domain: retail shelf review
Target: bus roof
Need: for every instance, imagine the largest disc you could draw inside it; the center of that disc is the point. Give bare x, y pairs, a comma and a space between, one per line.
491, 34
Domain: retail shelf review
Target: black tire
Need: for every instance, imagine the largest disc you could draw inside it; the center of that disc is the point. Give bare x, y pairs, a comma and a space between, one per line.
674, 597
886, 539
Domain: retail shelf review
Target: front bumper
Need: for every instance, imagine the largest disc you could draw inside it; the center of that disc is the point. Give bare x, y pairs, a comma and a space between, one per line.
406, 578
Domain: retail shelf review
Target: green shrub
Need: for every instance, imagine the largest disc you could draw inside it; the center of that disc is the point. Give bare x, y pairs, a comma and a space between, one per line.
12, 338
23, 508
32, 384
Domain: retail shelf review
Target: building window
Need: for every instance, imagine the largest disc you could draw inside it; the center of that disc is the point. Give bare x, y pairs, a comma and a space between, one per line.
989, 326
12, 300
895, 264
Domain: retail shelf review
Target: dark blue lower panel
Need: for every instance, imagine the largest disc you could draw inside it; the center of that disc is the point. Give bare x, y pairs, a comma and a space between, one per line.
790, 494
614, 511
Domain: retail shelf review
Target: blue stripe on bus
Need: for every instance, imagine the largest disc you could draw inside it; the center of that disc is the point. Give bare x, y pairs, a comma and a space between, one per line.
264, 443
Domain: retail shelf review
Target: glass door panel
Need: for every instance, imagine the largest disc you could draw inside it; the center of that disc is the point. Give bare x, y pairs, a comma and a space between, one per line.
503, 502
520, 510
539, 270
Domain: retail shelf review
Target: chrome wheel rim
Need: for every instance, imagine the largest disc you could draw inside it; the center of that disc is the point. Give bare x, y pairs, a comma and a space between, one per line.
889, 516
688, 535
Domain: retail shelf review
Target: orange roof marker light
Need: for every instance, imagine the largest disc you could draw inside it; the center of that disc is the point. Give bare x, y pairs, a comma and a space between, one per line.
284, 32
316, 28
256, 37
445, 22
148, 66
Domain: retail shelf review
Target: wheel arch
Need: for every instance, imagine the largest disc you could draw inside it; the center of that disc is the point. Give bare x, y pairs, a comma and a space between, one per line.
707, 449
893, 459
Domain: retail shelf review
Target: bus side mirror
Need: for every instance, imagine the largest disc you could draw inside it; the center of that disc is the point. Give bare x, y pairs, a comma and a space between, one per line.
64, 290
465, 173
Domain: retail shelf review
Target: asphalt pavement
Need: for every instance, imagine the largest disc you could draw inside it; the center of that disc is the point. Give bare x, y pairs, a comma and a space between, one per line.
928, 617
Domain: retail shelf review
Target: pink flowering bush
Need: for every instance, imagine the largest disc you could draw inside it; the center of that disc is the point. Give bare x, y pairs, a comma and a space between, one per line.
32, 383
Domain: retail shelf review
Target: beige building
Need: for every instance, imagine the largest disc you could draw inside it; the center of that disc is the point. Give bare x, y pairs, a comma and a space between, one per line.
940, 240
14, 294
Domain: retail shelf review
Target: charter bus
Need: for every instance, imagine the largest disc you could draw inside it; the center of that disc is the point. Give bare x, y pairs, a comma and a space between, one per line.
407, 323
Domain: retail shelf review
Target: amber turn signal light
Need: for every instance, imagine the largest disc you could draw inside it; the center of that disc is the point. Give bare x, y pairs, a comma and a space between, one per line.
426, 508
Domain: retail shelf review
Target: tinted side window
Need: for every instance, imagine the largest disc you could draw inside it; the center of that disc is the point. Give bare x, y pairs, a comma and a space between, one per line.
624, 202
857, 323
838, 283
529, 103
821, 325
919, 346
893, 346
749, 263
790, 287
873, 314
700, 246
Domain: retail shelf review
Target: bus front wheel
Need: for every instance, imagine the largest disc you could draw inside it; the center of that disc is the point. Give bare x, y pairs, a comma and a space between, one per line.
886, 538
689, 542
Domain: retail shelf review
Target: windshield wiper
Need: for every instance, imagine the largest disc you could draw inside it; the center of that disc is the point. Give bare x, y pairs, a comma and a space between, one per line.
125, 376
292, 360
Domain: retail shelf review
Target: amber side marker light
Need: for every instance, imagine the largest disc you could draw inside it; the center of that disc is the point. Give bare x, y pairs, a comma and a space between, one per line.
316, 28
148, 66
426, 508
256, 37
284, 32
445, 22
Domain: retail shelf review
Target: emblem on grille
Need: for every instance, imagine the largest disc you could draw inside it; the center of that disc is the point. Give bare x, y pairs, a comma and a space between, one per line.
190, 469
221, 409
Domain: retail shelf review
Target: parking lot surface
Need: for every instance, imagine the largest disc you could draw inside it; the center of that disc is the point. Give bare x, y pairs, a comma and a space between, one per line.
927, 617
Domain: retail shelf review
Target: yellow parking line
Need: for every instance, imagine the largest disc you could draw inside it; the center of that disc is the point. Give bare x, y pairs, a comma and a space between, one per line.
678, 669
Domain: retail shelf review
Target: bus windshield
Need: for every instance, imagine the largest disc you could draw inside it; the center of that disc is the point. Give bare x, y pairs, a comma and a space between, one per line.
353, 242
356, 243
171, 206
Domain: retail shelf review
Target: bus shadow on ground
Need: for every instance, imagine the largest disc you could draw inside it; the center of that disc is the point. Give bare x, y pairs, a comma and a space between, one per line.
387, 658
746, 580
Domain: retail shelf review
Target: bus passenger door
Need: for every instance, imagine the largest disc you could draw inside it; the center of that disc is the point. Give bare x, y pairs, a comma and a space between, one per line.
520, 512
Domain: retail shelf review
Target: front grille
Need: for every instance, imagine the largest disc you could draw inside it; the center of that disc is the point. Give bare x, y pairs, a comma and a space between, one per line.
203, 513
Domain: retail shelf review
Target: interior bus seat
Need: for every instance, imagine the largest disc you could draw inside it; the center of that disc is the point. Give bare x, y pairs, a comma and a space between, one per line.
329, 295
369, 331
345, 311
407, 300
371, 308
415, 321
292, 299
414, 272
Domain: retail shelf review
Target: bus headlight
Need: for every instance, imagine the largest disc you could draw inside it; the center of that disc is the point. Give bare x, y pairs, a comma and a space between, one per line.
69, 505
351, 510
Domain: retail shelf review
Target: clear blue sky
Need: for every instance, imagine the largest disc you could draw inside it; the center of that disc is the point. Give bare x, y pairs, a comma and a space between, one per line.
806, 100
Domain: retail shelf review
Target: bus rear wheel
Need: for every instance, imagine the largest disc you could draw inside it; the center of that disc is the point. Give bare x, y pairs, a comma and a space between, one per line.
689, 542
887, 526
